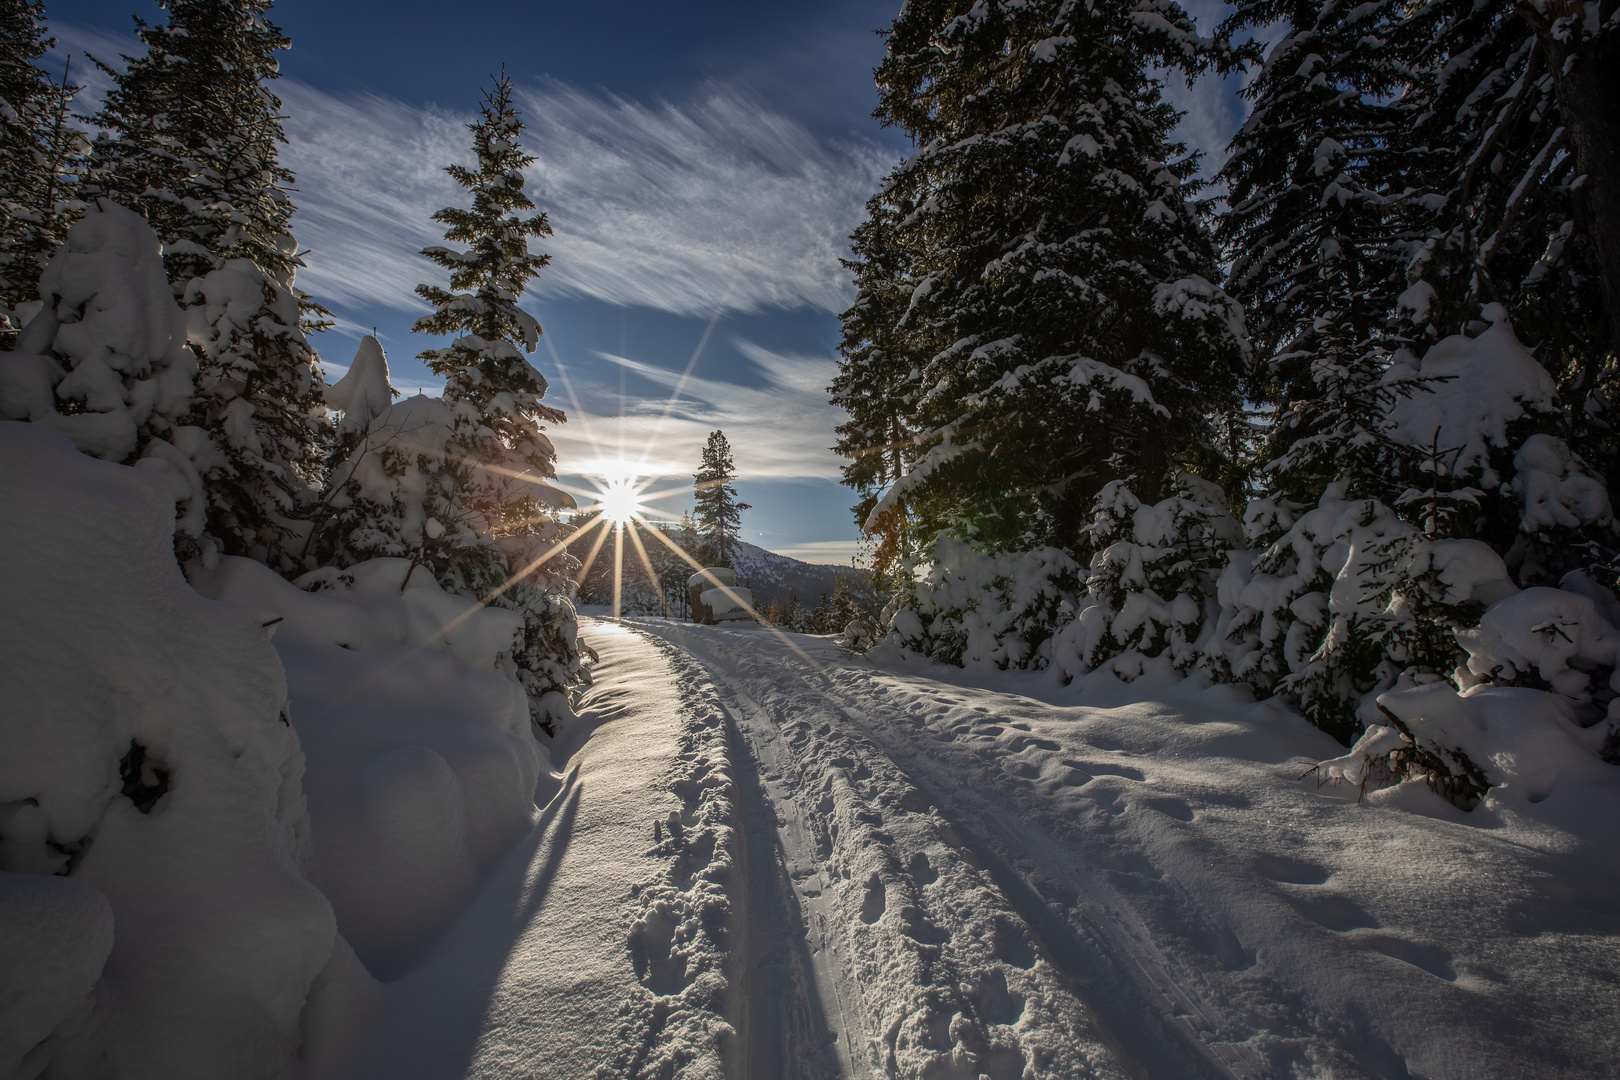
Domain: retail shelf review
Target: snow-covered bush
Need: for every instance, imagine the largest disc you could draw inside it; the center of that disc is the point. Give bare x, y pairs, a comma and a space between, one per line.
1487, 435
1152, 583
980, 607
1496, 744
147, 761
422, 769
103, 357
1343, 602
401, 494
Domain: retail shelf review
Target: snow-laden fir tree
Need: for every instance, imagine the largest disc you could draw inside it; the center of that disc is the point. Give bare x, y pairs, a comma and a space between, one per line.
192, 138
459, 483
41, 153
1317, 235
1511, 227
717, 512
1036, 316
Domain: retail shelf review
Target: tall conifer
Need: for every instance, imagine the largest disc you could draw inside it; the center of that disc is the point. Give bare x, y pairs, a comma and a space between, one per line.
1036, 305
192, 142
41, 152
718, 513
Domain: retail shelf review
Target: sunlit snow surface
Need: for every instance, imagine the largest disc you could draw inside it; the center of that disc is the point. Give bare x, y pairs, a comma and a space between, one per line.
893, 868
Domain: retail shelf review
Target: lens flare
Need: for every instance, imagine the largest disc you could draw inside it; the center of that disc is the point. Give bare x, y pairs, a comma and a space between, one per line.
619, 500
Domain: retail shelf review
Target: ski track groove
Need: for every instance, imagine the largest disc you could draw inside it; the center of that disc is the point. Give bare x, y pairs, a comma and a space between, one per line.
948, 1025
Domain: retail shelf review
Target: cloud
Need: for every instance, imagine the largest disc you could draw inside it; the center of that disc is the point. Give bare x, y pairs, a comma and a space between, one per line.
717, 205
824, 552
778, 430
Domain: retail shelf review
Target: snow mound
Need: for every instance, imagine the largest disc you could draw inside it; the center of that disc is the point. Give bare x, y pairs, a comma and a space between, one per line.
1481, 385
422, 762
145, 754
364, 391
110, 347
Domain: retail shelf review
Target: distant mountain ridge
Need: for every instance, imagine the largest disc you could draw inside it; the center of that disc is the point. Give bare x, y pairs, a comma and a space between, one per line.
772, 577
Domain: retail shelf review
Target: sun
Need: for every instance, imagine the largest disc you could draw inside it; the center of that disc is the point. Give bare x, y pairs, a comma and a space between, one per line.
619, 499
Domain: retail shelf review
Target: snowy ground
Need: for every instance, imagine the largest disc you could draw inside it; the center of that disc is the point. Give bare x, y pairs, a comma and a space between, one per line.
765, 858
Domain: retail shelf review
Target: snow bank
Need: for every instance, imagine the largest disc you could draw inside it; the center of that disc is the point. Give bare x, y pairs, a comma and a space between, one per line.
110, 347
145, 754
422, 763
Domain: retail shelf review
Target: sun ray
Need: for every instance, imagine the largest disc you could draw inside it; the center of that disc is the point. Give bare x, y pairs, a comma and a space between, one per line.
590, 560
646, 564
680, 385
618, 567
573, 398
740, 602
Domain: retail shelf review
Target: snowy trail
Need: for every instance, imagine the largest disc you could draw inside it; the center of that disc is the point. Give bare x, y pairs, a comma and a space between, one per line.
535, 978
1072, 966
773, 861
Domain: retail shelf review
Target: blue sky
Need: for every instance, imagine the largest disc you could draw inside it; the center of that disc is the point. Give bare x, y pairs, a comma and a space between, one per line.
702, 164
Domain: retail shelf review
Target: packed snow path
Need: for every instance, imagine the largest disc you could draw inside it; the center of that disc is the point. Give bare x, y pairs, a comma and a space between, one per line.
767, 859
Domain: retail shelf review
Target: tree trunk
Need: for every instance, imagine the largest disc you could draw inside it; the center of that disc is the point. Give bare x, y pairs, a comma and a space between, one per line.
1586, 77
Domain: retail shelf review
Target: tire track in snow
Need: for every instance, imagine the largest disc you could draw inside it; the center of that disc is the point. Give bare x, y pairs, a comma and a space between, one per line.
939, 959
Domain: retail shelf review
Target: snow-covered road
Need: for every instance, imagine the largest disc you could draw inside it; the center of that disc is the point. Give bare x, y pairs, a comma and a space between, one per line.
768, 859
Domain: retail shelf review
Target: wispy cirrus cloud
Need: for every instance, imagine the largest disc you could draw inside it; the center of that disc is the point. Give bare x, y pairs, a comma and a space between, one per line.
780, 428
716, 205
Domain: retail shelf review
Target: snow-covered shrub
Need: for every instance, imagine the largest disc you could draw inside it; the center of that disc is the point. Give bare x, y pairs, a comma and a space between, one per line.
104, 360
1497, 744
146, 756
1152, 583
421, 767
1344, 601
1487, 435
1549, 639
981, 607
409, 491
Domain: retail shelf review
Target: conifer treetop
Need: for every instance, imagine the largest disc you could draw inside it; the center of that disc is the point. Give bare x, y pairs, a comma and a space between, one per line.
192, 139
484, 366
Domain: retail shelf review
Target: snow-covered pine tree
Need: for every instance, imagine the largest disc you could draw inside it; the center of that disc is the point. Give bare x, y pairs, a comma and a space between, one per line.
876, 377
41, 153
1316, 236
717, 512
192, 142
1061, 321
1036, 308
458, 484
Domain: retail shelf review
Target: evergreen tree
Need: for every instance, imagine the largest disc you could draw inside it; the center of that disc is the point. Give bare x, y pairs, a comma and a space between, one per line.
459, 483
192, 142
41, 153
1035, 311
1316, 235
718, 513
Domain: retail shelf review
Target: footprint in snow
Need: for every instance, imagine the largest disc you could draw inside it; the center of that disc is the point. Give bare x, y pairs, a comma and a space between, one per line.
876, 901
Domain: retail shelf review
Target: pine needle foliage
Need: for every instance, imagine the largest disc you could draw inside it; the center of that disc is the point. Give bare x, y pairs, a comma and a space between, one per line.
1036, 315
192, 138
41, 155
